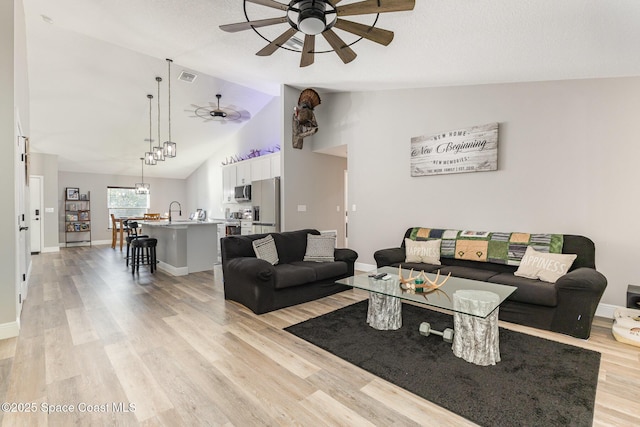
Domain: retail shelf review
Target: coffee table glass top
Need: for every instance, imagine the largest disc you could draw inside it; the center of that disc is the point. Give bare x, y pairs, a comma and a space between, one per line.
441, 297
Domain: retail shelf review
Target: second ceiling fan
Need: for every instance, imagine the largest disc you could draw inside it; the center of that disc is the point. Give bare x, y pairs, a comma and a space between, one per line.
313, 17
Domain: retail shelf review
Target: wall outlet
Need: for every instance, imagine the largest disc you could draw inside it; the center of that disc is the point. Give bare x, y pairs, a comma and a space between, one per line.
353, 208
302, 208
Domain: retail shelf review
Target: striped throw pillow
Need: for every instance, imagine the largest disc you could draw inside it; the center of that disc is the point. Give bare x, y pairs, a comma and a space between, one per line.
265, 249
320, 248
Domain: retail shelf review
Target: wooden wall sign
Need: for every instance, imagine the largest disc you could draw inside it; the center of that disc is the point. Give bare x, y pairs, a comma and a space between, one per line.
473, 149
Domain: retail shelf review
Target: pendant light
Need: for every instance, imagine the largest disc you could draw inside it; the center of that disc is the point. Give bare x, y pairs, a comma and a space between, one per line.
169, 147
141, 187
158, 153
148, 156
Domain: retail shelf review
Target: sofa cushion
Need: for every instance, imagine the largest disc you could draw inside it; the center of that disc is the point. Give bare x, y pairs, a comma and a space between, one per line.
546, 267
325, 270
417, 266
320, 248
265, 249
529, 291
427, 252
289, 275
292, 245
467, 272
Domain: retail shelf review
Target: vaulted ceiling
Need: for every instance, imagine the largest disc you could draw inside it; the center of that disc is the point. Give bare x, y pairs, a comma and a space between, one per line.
91, 64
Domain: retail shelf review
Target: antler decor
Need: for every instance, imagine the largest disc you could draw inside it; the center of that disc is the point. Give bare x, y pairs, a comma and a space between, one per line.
418, 283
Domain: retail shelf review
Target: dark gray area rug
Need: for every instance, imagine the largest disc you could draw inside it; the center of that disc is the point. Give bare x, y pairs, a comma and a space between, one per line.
537, 383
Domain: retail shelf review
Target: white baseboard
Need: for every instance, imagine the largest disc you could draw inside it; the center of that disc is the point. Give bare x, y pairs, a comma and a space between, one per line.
93, 242
50, 249
9, 330
360, 266
606, 310
175, 271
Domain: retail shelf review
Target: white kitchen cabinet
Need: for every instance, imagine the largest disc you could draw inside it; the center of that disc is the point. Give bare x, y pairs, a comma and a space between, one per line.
228, 183
246, 227
260, 168
243, 173
275, 165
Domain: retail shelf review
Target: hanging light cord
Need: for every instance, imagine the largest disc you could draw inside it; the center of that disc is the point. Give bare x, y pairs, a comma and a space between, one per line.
159, 79
150, 129
169, 61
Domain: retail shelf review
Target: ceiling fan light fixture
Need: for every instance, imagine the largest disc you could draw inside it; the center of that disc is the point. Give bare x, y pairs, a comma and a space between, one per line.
311, 19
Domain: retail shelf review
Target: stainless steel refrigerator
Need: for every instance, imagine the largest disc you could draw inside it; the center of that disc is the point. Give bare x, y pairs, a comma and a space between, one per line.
265, 197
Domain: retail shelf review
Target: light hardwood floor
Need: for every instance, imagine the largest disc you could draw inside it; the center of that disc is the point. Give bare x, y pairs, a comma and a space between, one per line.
175, 349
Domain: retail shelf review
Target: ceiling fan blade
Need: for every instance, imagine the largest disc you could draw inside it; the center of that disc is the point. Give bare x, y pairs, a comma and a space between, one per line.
241, 26
374, 34
375, 6
274, 45
307, 50
270, 3
339, 46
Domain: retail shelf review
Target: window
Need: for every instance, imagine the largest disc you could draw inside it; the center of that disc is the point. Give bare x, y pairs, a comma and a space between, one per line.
125, 202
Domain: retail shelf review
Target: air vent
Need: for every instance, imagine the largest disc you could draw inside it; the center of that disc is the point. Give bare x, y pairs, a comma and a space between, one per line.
186, 76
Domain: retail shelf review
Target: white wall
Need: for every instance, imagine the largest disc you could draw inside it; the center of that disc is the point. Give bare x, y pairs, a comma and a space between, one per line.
163, 192
263, 131
14, 101
312, 180
567, 163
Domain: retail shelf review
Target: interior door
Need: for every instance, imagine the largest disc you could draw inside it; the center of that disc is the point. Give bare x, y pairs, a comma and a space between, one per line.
35, 209
21, 224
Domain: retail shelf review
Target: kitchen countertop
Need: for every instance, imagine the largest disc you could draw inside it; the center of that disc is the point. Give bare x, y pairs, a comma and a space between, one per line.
178, 223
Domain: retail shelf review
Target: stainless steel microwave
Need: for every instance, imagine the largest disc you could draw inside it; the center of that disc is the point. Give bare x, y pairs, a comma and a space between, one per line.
243, 193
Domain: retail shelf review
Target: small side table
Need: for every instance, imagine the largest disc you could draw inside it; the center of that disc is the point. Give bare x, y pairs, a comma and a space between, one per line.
476, 338
633, 296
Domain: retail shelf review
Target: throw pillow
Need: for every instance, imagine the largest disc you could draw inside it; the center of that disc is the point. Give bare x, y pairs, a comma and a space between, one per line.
544, 266
320, 248
423, 251
265, 249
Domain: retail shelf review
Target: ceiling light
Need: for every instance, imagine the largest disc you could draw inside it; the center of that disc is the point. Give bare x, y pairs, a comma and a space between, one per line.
313, 17
169, 147
219, 114
158, 152
148, 156
141, 187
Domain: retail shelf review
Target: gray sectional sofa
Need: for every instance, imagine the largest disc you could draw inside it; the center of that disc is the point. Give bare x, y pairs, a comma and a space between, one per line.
263, 287
566, 306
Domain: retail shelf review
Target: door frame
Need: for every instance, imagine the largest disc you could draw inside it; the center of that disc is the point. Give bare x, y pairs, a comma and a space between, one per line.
39, 178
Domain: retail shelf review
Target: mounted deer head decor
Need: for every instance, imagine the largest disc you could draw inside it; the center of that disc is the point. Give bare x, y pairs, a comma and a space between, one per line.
304, 121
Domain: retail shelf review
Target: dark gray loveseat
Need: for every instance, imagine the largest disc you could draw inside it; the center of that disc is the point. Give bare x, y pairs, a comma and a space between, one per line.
263, 287
567, 306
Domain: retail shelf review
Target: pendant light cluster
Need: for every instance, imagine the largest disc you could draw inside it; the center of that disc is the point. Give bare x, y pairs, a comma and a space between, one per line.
161, 151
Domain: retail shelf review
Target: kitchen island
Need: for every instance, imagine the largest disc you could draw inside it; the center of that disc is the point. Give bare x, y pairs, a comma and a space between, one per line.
184, 246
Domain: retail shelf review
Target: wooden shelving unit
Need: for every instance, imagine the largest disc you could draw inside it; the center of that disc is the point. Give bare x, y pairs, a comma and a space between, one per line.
77, 217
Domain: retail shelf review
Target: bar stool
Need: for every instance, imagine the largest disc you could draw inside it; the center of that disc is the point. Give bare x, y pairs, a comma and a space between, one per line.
131, 228
142, 248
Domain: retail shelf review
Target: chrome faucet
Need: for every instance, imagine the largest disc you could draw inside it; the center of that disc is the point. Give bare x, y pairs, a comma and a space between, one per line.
179, 207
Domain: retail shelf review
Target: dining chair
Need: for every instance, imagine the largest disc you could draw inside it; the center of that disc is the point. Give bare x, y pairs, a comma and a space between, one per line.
115, 228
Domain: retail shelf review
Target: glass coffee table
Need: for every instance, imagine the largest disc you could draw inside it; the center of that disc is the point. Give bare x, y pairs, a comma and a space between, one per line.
474, 305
